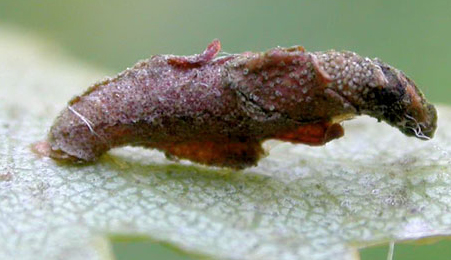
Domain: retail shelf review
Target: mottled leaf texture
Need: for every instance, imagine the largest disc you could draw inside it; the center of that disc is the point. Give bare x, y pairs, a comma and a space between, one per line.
372, 186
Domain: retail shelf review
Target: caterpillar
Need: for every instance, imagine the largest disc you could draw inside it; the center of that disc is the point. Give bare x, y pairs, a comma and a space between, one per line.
217, 110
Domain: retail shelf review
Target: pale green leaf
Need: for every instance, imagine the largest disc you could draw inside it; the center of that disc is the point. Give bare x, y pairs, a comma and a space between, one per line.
372, 186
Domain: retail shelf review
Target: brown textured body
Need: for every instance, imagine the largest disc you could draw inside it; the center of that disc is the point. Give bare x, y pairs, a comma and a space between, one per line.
217, 111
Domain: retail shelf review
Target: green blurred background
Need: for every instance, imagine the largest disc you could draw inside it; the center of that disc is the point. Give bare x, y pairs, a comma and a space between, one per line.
411, 35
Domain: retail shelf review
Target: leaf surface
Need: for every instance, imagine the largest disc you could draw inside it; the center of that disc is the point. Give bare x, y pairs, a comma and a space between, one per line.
374, 185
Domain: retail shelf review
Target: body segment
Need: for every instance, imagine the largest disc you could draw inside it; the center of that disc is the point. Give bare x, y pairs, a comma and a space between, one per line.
217, 111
